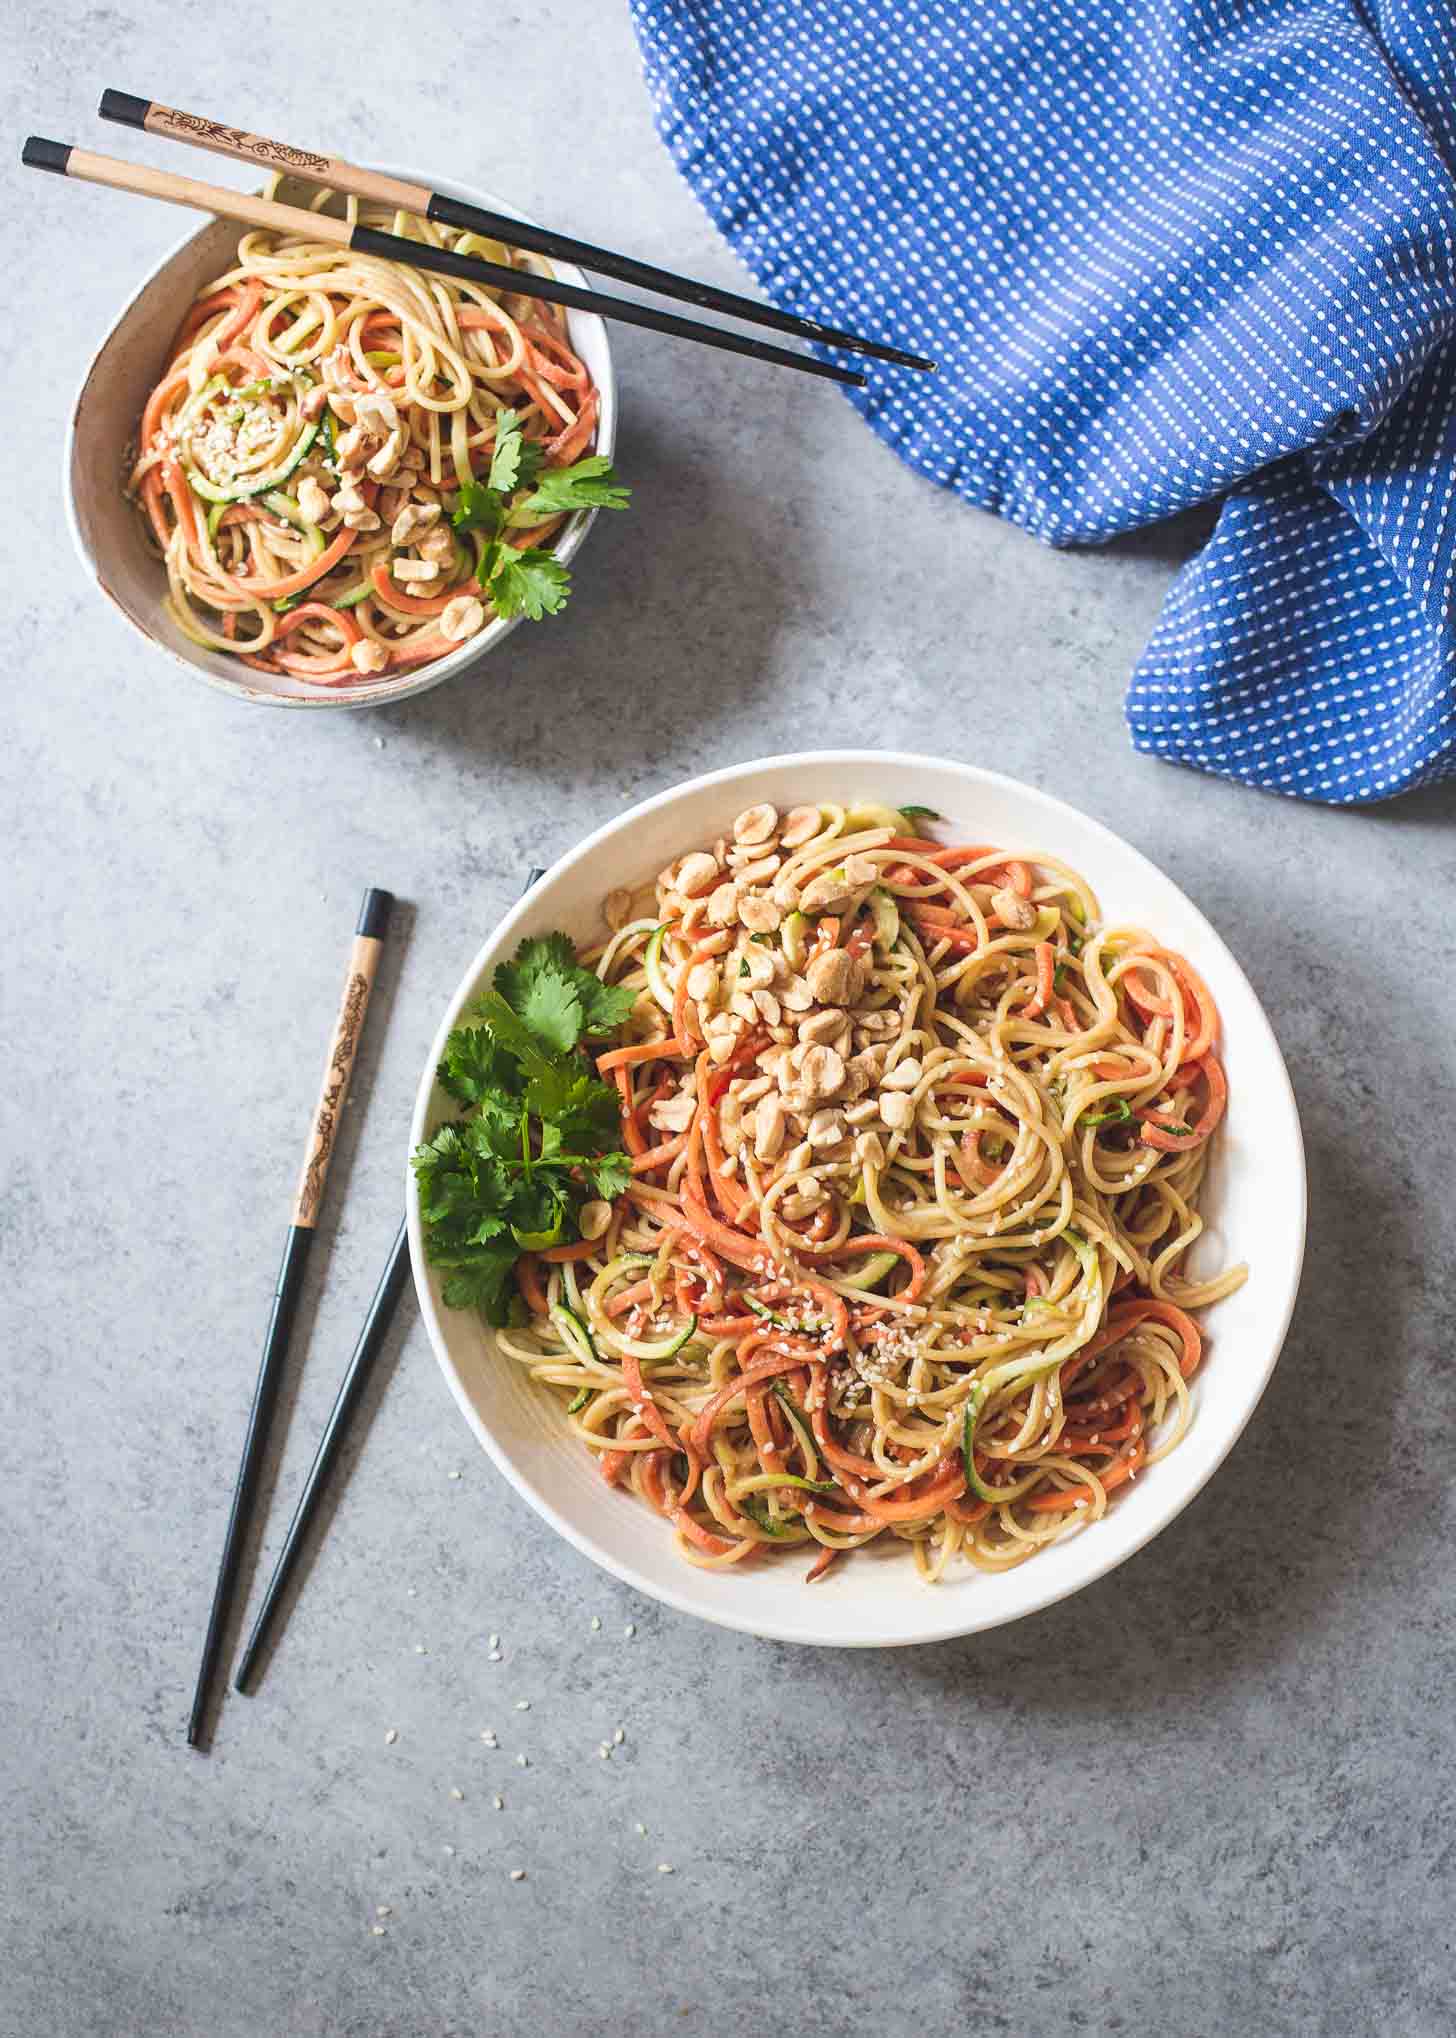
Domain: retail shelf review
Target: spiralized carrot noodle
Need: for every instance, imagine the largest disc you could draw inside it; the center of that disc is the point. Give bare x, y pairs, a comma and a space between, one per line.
246, 472
918, 1157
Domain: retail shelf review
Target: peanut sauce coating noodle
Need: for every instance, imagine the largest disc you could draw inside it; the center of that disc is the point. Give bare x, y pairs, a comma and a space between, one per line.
301, 455
918, 1145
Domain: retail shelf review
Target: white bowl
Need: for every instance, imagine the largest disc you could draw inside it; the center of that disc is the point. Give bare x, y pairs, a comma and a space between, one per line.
1255, 1206
108, 531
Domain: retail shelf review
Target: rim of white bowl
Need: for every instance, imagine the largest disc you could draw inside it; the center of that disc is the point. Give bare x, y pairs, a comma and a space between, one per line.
441, 669
811, 1632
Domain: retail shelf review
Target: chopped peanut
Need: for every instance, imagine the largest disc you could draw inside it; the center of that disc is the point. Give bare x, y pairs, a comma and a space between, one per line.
696, 873
1014, 911
755, 824
593, 1219
801, 825
835, 977
897, 1110
312, 500
461, 618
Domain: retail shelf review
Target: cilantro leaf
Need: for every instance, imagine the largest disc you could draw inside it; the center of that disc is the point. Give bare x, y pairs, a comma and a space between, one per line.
479, 509
589, 484
533, 583
604, 1006
589, 1115
540, 1131
538, 1214
513, 1036
611, 1175
485, 1283
473, 1065
551, 1008
515, 460
544, 971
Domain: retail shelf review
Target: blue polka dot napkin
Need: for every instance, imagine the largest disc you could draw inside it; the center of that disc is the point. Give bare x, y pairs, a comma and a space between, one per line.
1165, 251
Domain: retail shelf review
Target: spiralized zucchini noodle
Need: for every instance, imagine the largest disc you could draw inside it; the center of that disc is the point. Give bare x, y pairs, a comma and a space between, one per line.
917, 1145
299, 457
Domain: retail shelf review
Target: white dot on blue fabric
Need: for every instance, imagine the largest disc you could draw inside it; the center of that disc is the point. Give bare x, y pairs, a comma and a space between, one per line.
1165, 251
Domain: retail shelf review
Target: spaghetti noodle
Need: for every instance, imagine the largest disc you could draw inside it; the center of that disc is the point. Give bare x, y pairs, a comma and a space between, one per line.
917, 1149
302, 453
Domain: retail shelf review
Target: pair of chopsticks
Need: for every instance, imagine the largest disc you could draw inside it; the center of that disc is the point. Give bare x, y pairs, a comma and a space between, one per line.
323, 1128
335, 173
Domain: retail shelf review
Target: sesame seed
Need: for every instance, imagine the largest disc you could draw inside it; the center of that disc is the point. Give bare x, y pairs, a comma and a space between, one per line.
377, 1930
494, 1642
454, 1475
494, 1656
391, 1735
447, 1850
457, 1794
523, 1705
518, 1875
630, 1629
604, 1751
596, 1623
420, 1649
642, 1829
619, 1737
665, 1868
499, 1802
522, 1763
381, 1910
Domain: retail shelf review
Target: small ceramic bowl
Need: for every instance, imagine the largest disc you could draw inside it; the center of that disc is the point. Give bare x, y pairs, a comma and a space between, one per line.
108, 531
1254, 1207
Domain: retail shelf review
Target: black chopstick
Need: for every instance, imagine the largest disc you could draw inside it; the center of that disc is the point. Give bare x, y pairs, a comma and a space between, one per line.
153, 118
336, 1429
65, 160
323, 1128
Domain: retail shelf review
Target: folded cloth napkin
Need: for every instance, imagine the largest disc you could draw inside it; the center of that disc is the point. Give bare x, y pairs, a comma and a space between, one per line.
1165, 251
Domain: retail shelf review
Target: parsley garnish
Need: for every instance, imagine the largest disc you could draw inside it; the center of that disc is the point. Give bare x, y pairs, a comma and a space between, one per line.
919, 813
539, 1134
515, 460
519, 490
533, 583
590, 484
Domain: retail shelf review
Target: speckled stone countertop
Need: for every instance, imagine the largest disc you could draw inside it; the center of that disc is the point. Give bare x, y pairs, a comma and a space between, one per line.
1209, 1795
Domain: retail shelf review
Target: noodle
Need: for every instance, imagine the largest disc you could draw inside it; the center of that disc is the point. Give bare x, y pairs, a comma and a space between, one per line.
301, 454
918, 1147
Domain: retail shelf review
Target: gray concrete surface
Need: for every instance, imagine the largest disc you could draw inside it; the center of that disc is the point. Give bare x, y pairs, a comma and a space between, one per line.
1210, 1795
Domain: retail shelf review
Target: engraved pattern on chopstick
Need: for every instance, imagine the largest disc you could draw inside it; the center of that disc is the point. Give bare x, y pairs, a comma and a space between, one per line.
326, 1119
188, 126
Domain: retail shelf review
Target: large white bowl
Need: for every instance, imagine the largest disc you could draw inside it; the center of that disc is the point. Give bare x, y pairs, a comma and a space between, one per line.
1255, 1207
108, 531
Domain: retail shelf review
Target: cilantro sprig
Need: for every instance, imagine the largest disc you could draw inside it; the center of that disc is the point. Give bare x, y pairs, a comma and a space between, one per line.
518, 491
538, 1137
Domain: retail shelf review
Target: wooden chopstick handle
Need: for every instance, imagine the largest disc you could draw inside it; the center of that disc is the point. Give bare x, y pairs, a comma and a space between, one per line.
343, 1048
266, 213
154, 118
67, 161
